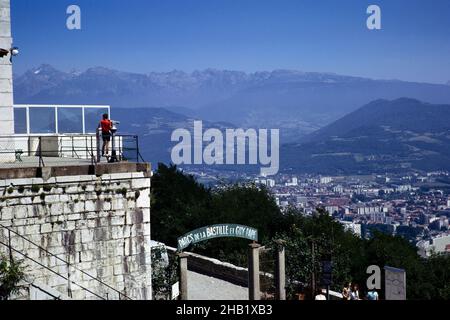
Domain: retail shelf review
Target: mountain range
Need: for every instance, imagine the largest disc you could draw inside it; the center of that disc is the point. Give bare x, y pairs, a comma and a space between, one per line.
154, 127
383, 136
324, 129
296, 102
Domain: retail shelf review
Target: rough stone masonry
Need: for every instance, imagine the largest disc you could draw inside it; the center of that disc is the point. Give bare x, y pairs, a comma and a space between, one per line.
98, 224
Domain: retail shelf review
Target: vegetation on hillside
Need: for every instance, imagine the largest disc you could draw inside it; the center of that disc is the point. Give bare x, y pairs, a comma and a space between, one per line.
180, 204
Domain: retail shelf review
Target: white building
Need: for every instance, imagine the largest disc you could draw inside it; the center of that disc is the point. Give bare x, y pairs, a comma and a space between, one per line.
353, 227
293, 183
325, 180
403, 188
270, 183
302, 201
331, 209
378, 217
439, 244
362, 210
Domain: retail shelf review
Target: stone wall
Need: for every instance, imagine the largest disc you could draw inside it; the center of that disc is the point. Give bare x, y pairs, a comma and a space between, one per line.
215, 268
99, 224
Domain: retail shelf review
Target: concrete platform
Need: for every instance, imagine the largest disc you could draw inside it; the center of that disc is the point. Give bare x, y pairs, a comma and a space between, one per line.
48, 162
54, 167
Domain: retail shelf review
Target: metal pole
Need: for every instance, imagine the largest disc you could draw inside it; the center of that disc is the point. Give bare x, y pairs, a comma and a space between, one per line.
41, 160
120, 146
87, 147
254, 291
92, 152
113, 148
97, 136
9, 243
137, 149
40, 150
182, 269
69, 287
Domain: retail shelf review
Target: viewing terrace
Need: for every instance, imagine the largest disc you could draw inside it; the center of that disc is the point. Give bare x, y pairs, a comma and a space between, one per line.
62, 136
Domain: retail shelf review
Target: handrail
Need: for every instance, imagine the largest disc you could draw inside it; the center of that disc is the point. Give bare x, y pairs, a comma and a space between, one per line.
85, 146
58, 258
49, 269
44, 291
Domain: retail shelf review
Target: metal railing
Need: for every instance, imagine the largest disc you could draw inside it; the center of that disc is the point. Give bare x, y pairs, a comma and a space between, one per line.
70, 266
83, 118
129, 148
51, 150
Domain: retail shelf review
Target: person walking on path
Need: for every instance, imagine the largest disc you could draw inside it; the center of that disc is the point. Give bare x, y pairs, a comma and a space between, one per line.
320, 295
372, 295
346, 291
354, 294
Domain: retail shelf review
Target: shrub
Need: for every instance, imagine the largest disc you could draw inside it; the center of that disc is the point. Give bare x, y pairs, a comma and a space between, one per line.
11, 273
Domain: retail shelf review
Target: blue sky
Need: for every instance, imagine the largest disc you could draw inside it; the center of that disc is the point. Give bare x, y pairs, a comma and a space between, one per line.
248, 35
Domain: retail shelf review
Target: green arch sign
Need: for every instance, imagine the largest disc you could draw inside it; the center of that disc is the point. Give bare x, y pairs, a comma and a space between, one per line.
217, 231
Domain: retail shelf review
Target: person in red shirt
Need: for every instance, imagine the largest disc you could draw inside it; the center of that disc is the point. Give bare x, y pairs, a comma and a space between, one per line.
105, 125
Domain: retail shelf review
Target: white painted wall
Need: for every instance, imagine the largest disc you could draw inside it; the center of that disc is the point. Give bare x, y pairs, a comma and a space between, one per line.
6, 87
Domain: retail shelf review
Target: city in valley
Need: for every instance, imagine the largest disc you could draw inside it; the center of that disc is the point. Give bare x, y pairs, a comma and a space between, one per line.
414, 206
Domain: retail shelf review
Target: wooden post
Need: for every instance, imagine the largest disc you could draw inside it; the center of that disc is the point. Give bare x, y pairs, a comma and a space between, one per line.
254, 291
280, 271
182, 269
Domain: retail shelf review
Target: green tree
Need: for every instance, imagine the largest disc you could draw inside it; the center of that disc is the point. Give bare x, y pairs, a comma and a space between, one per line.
179, 204
394, 251
241, 204
164, 273
299, 264
331, 243
11, 274
437, 277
